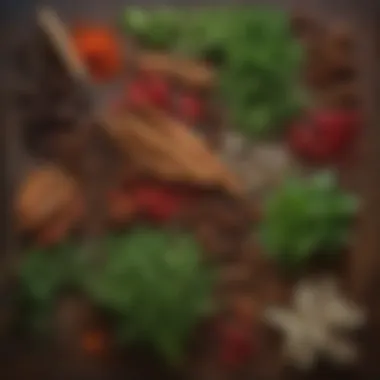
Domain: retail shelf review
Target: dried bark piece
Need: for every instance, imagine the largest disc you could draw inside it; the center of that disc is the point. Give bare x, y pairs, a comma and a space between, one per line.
197, 150
146, 147
165, 148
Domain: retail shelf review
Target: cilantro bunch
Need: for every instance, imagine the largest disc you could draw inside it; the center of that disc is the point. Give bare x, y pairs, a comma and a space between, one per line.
156, 287
153, 284
307, 217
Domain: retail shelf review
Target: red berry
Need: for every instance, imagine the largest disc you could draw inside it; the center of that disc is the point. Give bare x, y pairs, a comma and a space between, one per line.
159, 92
305, 145
235, 345
340, 125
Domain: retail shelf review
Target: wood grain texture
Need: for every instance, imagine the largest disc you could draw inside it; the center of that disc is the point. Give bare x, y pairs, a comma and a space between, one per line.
364, 177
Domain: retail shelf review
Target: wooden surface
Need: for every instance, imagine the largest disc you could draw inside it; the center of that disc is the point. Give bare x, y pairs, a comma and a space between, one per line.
365, 262
364, 265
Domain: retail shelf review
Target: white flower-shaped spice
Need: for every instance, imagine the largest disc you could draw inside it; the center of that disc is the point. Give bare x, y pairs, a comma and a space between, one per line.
317, 323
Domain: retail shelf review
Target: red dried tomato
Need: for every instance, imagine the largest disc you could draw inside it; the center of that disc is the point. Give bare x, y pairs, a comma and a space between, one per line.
99, 48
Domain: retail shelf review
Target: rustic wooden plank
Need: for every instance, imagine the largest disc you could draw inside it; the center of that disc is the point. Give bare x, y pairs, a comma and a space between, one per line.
366, 173
11, 167
12, 158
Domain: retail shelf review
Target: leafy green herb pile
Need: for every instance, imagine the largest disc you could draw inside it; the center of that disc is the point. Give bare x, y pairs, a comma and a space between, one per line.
306, 217
153, 284
43, 274
255, 52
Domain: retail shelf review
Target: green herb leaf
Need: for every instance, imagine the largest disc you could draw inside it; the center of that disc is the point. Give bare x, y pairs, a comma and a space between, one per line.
305, 217
253, 49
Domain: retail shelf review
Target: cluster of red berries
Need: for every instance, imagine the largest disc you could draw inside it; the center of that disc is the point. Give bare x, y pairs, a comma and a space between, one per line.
237, 338
158, 203
325, 136
236, 346
150, 89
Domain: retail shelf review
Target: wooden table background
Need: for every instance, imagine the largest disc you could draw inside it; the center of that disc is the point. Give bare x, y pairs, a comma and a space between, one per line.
363, 176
